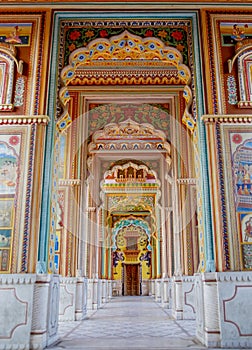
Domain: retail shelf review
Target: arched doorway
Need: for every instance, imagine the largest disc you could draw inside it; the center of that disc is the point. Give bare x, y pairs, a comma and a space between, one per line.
118, 126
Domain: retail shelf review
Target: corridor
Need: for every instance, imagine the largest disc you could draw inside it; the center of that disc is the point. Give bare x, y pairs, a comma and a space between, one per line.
128, 323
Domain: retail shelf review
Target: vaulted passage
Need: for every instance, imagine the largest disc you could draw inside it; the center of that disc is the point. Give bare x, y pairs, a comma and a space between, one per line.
129, 322
125, 174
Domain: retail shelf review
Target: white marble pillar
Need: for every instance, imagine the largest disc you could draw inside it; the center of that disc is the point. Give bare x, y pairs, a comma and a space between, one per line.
45, 314
152, 293
177, 303
16, 308
104, 291
224, 309
109, 290
165, 293
99, 293
158, 290
67, 298
81, 299
90, 294
95, 295
145, 287
188, 290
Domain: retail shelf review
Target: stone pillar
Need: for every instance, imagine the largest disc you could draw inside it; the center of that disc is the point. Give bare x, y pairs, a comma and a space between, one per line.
152, 288
170, 297
177, 304
81, 299
67, 298
109, 286
104, 291
188, 290
145, 287
45, 314
16, 307
95, 295
165, 293
90, 294
158, 290
99, 293
223, 309
207, 308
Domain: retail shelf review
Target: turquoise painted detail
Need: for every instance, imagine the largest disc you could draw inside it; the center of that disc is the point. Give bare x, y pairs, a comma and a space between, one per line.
206, 204
48, 161
129, 222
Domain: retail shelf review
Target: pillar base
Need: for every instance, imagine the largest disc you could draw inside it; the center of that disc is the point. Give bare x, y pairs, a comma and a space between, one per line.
223, 309
44, 330
16, 304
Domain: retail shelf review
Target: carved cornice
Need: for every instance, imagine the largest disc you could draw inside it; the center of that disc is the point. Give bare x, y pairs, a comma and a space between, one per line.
24, 120
187, 181
232, 119
17, 279
132, 136
229, 276
70, 182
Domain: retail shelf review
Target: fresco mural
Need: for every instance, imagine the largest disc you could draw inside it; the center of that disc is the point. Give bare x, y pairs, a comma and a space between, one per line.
243, 171
16, 33
9, 169
241, 148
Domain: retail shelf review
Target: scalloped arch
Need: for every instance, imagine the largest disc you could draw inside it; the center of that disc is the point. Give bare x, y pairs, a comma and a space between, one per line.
130, 222
134, 49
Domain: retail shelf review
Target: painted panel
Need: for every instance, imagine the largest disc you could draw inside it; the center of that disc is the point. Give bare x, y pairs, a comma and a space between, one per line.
16, 33
238, 162
26, 32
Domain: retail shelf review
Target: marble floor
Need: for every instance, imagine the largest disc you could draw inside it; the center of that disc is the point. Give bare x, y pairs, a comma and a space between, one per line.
128, 323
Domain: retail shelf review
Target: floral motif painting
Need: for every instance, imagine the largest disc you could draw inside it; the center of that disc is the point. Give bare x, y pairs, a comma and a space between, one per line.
102, 114
171, 35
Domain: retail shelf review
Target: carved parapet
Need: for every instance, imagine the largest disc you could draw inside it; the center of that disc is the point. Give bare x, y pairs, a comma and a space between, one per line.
70, 182
187, 181
24, 120
231, 119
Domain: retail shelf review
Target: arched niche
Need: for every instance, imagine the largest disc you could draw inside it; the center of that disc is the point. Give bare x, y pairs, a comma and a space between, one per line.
8, 62
243, 56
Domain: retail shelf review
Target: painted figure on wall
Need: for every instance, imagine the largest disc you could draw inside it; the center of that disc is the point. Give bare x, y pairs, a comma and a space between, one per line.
242, 167
248, 229
13, 37
238, 32
8, 169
